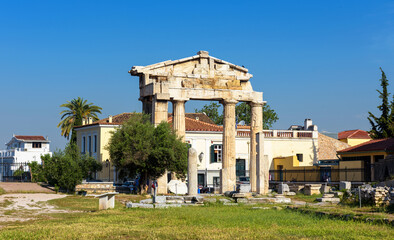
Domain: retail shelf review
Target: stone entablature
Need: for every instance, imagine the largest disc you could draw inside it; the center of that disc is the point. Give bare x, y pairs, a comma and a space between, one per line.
200, 77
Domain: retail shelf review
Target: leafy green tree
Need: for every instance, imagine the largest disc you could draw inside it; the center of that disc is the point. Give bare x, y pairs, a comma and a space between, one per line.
382, 127
212, 111
36, 172
242, 112
67, 168
139, 148
77, 110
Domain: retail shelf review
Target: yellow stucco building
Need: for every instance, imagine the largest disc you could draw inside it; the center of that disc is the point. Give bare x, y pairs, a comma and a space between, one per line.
354, 137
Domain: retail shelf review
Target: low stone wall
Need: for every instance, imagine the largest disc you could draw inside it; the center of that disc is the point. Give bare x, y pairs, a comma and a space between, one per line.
96, 187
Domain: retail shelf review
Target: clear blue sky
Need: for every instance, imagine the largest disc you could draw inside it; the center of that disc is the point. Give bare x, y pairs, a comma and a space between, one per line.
312, 59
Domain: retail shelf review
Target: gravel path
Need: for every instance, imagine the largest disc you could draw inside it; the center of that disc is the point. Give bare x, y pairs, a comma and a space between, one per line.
24, 207
23, 187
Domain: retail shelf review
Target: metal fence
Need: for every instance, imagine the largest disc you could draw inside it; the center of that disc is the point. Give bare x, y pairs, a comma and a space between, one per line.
15, 172
320, 175
384, 169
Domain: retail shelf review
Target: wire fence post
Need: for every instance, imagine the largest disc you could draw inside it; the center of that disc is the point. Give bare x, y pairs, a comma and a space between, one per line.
285, 176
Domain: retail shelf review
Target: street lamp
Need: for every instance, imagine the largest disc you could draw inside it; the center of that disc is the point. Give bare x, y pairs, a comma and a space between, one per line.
201, 156
108, 165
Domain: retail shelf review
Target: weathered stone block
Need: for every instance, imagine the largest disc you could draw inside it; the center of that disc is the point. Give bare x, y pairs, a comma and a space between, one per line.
242, 200
175, 201
161, 205
243, 188
147, 201
138, 205
345, 185
211, 200
242, 195
311, 189
160, 199
290, 193
325, 189
198, 199
282, 188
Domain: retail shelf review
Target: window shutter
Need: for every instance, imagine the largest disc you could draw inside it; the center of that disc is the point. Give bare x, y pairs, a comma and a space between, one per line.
212, 153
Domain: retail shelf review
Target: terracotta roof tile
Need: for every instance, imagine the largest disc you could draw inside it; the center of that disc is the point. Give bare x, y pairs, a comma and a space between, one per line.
355, 134
197, 125
190, 121
386, 145
31, 138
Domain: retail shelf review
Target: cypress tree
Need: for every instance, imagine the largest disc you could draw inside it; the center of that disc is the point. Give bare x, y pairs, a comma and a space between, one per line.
382, 127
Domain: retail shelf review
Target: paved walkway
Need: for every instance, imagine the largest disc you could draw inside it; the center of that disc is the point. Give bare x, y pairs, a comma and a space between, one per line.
10, 187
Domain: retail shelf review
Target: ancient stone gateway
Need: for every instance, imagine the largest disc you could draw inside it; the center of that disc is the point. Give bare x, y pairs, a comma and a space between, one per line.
203, 77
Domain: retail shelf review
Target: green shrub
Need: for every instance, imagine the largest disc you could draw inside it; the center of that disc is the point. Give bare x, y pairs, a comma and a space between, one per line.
18, 173
37, 173
67, 168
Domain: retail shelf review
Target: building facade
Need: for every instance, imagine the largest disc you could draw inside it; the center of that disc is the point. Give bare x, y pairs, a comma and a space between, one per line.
301, 142
23, 149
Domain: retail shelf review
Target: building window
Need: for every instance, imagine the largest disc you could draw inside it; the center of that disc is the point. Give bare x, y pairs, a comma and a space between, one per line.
95, 143
216, 181
300, 157
36, 145
83, 144
90, 144
216, 153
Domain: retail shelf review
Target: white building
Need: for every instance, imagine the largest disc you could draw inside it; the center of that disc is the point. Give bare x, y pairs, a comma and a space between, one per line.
25, 149
206, 138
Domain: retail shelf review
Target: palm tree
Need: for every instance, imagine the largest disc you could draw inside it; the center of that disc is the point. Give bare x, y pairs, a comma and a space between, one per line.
77, 110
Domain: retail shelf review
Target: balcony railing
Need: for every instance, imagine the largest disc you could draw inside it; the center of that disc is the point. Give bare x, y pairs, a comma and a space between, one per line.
282, 134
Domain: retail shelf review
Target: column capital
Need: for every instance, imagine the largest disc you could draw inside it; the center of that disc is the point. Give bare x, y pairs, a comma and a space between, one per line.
180, 100
257, 104
228, 101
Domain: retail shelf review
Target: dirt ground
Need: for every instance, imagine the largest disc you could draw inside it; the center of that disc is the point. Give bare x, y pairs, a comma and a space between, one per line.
10, 187
26, 206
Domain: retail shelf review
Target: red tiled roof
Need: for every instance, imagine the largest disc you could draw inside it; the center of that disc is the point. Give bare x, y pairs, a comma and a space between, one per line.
190, 120
116, 120
355, 134
197, 125
31, 138
386, 145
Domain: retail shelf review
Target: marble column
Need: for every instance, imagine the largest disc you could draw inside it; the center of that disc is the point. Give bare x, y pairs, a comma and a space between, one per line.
228, 177
192, 172
160, 114
159, 111
178, 117
262, 181
178, 121
256, 125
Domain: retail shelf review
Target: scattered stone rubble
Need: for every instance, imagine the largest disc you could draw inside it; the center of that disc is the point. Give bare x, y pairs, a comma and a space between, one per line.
378, 196
170, 201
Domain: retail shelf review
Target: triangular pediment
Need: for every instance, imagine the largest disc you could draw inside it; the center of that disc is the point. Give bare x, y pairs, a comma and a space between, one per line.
199, 66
